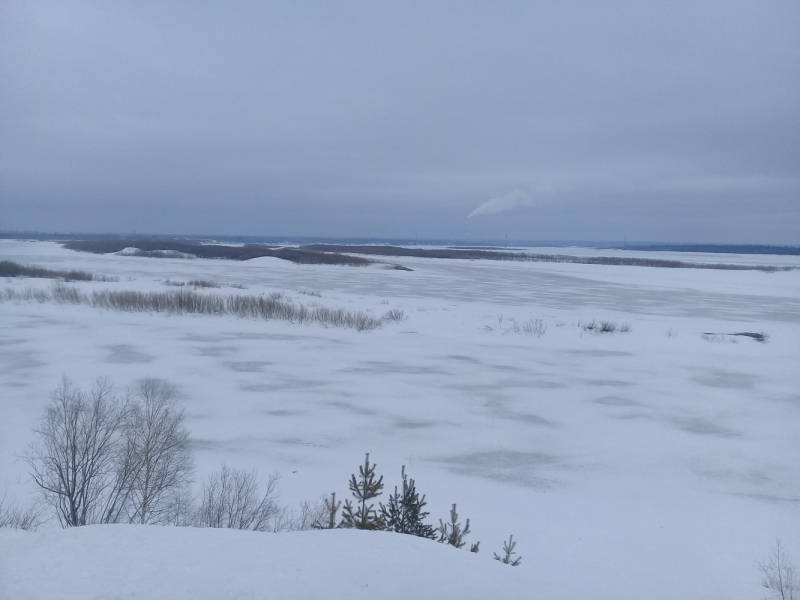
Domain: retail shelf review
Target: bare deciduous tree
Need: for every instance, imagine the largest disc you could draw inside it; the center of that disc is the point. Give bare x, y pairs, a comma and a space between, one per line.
75, 461
157, 453
779, 577
100, 458
232, 499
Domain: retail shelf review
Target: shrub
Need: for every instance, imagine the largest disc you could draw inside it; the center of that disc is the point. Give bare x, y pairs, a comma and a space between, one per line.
395, 315
607, 327
534, 327
203, 283
15, 516
312, 516
63, 294
232, 499
604, 327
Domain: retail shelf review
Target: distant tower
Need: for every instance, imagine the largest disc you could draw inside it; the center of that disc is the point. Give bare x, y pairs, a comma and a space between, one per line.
466, 228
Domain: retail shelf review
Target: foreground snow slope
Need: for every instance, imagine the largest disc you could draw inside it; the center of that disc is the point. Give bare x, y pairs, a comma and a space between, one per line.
652, 464
152, 563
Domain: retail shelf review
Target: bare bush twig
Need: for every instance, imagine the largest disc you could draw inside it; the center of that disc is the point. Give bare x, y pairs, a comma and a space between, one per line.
395, 315
312, 516
534, 327
607, 327
604, 327
14, 516
64, 294
232, 499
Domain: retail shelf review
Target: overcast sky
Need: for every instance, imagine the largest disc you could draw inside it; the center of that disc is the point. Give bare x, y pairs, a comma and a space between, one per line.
655, 121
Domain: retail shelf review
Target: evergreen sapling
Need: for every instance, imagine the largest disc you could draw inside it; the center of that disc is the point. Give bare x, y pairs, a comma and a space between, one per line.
404, 514
453, 533
508, 549
331, 508
366, 487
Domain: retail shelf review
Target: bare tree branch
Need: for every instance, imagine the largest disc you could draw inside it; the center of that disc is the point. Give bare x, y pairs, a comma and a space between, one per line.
778, 576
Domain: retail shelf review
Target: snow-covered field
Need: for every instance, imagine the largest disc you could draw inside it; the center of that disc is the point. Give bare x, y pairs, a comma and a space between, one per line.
655, 463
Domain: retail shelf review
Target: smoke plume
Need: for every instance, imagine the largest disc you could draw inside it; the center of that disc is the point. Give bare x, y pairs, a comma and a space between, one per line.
501, 204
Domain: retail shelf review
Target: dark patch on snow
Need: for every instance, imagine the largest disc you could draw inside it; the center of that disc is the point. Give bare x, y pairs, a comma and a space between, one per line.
615, 401
351, 408
282, 412
247, 366
468, 359
216, 350
414, 424
126, 354
718, 378
600, 353
18, 360
381, 367
504, 465
701, 426
607, 382
286, 384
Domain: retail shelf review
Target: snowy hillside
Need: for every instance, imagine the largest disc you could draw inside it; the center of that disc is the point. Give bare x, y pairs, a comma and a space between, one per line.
657, 461
154, 563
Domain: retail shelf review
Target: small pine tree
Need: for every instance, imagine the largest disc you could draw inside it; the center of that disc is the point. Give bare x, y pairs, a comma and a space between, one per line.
508, 549
329, 515
404, 514
364, 488
452, 533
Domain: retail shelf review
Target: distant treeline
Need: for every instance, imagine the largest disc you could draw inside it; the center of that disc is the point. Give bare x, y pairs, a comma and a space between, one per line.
717, 248
527, 257
245, 252
340, 254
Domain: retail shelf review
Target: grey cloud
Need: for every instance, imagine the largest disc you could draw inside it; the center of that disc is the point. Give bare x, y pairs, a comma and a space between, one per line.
383, 119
